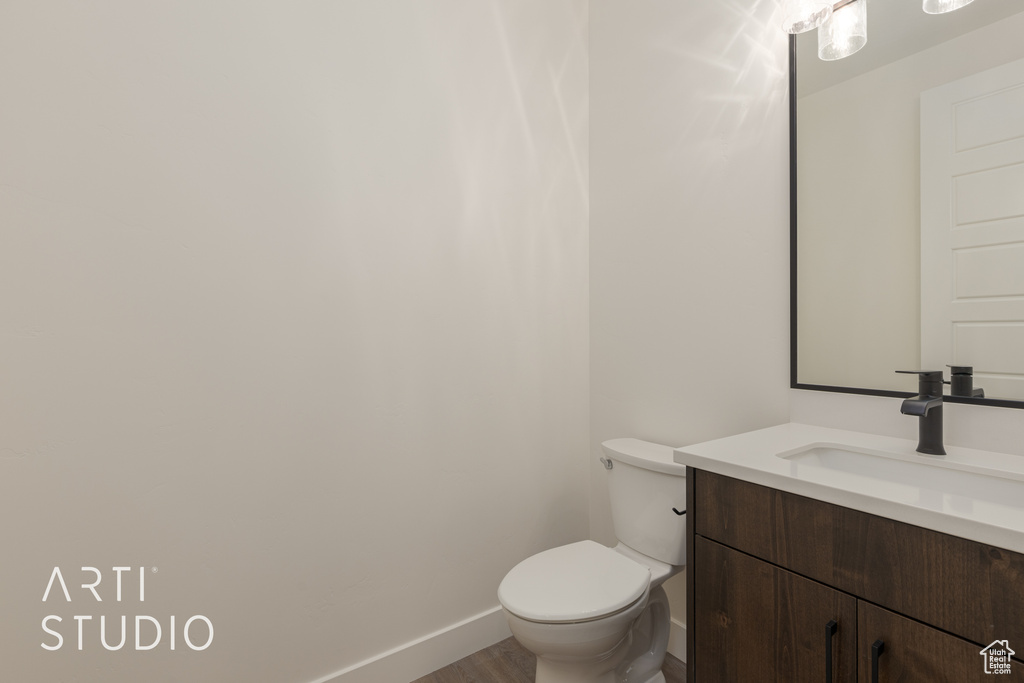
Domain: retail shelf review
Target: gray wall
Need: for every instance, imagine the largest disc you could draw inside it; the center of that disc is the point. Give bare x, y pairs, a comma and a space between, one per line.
293, 311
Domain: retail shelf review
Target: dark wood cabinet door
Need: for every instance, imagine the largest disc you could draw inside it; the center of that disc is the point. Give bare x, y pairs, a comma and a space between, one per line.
757, 623
916, 653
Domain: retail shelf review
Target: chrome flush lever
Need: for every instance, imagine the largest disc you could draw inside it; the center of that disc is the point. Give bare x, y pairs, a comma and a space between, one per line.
607, 463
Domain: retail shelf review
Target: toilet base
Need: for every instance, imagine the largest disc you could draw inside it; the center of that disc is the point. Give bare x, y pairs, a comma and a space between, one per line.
637, 658
558, 672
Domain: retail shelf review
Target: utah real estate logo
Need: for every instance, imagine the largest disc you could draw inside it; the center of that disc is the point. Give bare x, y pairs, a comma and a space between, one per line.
997, 657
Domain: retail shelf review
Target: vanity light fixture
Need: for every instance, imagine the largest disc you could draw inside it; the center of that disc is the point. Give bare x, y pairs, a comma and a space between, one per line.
843, 26
799, 16
943, 6
845, 32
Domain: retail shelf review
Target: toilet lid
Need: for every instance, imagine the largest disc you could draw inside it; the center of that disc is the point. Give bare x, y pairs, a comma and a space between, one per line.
574, 582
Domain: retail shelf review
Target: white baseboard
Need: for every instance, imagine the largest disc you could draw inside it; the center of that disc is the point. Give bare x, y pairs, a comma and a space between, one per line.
677, 640
424, 655
420, 657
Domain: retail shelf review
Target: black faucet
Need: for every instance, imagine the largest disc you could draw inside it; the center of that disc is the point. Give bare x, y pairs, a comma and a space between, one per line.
961, 381
927, 406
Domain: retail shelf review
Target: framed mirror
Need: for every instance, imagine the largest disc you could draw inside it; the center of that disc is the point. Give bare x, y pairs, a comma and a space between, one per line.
907, 204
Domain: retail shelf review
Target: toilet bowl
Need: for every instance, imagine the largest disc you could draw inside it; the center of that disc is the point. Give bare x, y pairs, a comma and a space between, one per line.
594, 614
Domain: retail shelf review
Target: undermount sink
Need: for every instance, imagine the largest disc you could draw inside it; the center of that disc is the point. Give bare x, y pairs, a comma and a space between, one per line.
969, 493
928, 481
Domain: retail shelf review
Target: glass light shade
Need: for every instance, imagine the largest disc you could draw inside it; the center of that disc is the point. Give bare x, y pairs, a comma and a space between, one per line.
943, 6
845, 32
803, 15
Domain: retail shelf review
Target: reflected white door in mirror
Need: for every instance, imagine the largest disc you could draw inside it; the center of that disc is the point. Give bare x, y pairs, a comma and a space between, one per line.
972, 227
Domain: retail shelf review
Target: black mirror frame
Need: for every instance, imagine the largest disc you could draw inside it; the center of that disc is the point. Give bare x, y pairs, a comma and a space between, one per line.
794, 383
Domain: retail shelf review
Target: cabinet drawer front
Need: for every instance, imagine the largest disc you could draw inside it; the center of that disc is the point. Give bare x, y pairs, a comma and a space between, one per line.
757, 623
970, 589
915, 653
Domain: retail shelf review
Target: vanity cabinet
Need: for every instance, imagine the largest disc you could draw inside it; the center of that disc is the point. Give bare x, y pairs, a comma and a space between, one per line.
769, 571
759, 622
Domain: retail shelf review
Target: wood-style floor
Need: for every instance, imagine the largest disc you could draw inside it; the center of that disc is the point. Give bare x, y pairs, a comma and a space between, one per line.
510, 662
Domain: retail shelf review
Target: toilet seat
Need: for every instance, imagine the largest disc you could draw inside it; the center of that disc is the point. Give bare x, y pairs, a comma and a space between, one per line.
573, 583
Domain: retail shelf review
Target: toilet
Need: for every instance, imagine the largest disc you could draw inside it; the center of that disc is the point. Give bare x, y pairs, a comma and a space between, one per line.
594, 614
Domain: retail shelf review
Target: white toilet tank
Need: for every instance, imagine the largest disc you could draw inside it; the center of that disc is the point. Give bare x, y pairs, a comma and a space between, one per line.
645, 484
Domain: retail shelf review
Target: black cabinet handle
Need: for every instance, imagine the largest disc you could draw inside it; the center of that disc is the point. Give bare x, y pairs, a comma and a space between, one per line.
830, 631
877, 648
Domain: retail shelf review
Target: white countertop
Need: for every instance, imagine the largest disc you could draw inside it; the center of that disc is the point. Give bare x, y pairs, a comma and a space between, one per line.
996, 519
